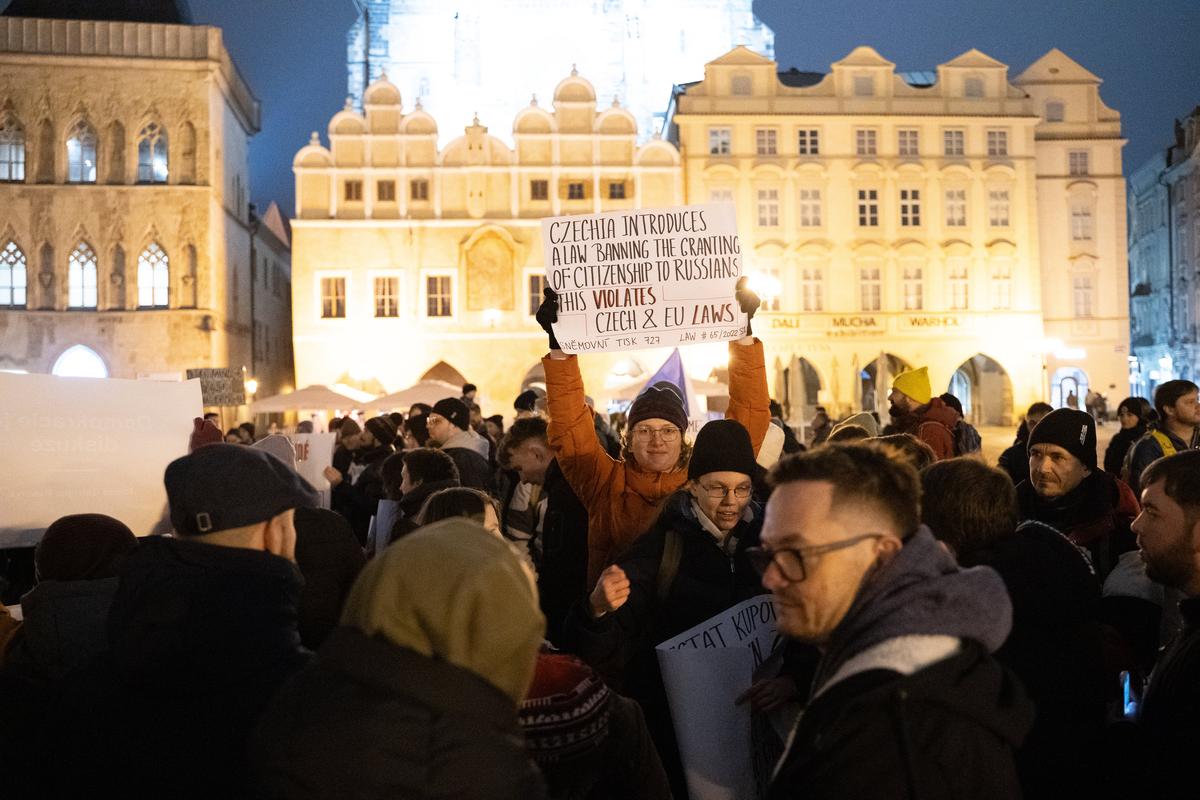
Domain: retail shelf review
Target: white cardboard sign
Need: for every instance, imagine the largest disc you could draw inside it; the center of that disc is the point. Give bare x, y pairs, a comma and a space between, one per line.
704, 670
88, 445
630, 280
314, 452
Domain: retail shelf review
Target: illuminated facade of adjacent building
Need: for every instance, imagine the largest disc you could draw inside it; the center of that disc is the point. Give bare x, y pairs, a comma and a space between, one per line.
413, 261
458, 57
1164, 261
956, 219
125, 233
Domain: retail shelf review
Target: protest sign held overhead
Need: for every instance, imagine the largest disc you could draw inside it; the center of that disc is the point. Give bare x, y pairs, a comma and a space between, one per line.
220, 386
630, 280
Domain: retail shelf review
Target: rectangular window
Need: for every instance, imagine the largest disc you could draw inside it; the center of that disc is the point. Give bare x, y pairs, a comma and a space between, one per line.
616, 190
914, 289
808, 142
956, 270
864, 86
741, 84
439, 299
910, 143
870, 286
575, 190
1054, 111
1081, 223
954, 143
1082, 290
387, 297
864, 142
720, 195
12, 155
910, 208
353, 192
810, 208
956, 208
868, 208
764, 142
812, 293
1077, 162
537, 286
333, 298
539, 189
973, 87
720, 141
419, 190
1001, 284
998, 208
385, 191
770, 302
768, 208
997, 143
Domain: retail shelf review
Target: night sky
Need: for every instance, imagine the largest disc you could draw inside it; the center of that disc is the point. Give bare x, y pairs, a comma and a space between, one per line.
293, 54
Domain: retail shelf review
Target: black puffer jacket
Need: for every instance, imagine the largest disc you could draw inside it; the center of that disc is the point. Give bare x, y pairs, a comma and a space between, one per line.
201, 637
1055, 648
371, 719
946, 731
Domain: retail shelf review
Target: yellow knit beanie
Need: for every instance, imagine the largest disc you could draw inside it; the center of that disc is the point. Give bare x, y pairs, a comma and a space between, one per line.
915, 384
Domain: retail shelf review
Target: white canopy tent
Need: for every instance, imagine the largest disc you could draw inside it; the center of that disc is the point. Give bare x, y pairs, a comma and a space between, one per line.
428, 392
310, 398
701, 388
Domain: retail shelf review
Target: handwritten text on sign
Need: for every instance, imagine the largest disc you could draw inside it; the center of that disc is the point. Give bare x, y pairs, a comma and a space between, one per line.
628, 280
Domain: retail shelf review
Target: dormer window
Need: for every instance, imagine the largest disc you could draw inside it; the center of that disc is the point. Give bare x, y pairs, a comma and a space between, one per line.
1055, 111
864, 86
741, 84
973, 87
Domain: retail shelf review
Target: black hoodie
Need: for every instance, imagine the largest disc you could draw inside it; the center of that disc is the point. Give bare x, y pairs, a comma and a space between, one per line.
200, 638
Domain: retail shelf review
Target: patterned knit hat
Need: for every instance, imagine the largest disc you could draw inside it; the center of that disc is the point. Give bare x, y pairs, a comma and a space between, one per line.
565, 714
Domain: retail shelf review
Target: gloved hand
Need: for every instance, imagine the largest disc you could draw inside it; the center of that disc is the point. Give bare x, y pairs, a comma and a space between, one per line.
747, 299
547, 313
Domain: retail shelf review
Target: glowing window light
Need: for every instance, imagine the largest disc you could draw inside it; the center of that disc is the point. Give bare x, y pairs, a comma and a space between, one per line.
79, 362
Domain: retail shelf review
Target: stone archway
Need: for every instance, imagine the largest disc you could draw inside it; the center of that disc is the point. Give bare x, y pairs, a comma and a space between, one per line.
984, 388
802, 388
441, 371
875, 384
1066, 383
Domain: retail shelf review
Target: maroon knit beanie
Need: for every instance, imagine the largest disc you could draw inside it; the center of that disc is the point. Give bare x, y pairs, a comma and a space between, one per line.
82, 547
565, 713
204, 432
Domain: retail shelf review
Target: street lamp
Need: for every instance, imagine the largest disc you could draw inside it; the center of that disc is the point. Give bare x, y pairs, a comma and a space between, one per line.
251, 386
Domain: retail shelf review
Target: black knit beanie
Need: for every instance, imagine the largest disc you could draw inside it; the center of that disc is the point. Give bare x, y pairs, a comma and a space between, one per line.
1070, 429
383, 429
722, 445
455, 411
660, 401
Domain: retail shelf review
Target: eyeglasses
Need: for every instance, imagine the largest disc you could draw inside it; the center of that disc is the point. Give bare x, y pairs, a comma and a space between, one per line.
719, 492
790, 561
667, 434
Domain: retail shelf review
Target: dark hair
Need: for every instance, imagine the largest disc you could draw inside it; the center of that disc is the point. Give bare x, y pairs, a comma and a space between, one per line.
497, 420
426, 464
859, 474
1181, 476
1138, 406
776, 409
335, 424
525, 429
424, 408
1038, 409
212, 415
968, 505
397, 418
457, 502
234, 432
469, 387
248, 427
390, 472
419, 428
913, 451
849, 433
952, 401
1168, 394
473, 406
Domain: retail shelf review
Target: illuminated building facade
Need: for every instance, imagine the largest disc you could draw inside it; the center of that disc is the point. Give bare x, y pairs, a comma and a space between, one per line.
125, 234
956, 219
457, 57
1164, 258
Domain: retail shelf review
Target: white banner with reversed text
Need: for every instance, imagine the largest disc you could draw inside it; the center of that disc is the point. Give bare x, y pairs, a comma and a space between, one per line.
314, 452
630, 280
88, 445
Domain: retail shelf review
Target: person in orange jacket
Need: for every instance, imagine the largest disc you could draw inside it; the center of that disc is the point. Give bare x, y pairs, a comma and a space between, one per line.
622, 496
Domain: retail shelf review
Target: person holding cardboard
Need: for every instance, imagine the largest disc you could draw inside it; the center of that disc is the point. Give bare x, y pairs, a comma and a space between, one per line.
623, 495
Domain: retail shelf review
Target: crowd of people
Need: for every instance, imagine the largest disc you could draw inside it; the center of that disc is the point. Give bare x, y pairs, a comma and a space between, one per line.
947, 628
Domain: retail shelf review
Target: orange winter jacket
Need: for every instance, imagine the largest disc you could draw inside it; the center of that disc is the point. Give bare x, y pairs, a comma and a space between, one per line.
621, 498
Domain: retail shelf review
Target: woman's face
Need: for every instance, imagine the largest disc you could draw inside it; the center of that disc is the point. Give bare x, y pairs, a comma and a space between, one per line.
1126, 418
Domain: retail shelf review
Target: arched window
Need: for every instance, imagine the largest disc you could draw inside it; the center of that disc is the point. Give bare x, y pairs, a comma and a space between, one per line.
79, 362
152, 154
154, 277
12, 276
81, 277
12, 149
81, 153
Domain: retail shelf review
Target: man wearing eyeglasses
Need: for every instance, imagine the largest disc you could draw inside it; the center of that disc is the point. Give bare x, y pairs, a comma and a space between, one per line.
689, 567
623, 495
906, 701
